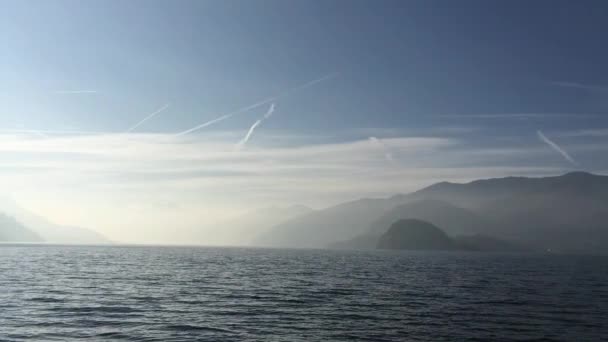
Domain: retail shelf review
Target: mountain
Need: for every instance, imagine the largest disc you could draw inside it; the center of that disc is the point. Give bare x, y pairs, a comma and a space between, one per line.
13, 231
567, 213
415, 235
318, 228
242, 230
49, 231
481, 192
440, 213
458, 221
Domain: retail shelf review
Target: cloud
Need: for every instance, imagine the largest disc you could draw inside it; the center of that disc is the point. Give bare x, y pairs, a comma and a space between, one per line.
387, 153
556, 147
245, 139
145, 151
112, 181
258, 104
148, 117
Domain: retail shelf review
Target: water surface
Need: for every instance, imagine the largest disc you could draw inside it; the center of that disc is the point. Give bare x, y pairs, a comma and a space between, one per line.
231, 294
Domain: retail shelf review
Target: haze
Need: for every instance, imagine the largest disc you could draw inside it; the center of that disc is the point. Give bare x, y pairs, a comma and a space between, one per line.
152, 123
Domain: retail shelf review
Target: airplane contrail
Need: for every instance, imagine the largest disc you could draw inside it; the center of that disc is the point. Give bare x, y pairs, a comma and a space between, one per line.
556, 147
47, 132
75, 92
269, 112
248, 135
150, 116
255, 124
387, 153
258, 104
580, 86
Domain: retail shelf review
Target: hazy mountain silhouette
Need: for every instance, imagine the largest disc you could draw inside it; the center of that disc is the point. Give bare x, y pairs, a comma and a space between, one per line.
318, 228
13, 231
566, 213
416, 235
49, 231
458, 221
480, 192
242, 230
440, 213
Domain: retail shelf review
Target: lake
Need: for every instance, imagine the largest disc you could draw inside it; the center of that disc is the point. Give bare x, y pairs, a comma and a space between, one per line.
240, 294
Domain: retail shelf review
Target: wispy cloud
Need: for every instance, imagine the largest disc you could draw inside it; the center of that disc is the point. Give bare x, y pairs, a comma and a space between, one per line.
258, 104
128, 172
200, 161
71, 92
388, 155
245, 139
556, 147
199, 171
148, 117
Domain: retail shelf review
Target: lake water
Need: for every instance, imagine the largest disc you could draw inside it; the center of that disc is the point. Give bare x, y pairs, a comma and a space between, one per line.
232, 294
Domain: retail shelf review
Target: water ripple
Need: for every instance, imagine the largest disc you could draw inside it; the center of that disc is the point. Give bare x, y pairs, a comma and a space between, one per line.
223, 294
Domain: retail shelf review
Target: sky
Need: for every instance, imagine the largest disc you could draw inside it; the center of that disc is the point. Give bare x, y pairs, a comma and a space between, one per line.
138, 118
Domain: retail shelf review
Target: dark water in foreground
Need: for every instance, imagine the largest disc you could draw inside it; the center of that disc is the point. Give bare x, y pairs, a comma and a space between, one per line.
222, 294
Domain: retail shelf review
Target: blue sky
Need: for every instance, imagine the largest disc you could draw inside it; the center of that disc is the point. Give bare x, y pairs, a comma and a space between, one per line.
450, 90
400, 63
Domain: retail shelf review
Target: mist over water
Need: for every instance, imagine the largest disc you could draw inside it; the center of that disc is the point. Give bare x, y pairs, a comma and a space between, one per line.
231, 294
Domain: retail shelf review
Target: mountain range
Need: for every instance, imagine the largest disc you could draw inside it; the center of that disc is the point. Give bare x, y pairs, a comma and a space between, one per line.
567, 213
21, 225
244, 229
13, 231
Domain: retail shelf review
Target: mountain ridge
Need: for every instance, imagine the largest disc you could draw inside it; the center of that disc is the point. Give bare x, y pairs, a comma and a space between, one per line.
567, 213
48, 231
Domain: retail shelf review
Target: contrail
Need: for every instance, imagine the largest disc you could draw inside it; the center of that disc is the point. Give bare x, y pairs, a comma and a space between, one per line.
580, 86
269, 112
248, 135
75, 92
255, 124
387, 153
554, 146
150, 116
47, 132
519, 115
258, 104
